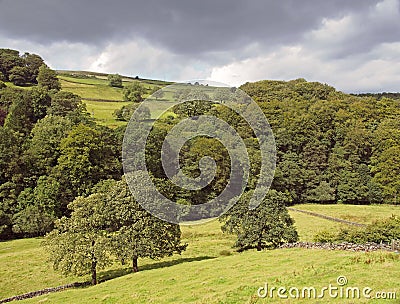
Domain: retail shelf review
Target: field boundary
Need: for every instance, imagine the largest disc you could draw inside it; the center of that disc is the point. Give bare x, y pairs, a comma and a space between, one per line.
41, 292
330, 218
102, 100
367, 247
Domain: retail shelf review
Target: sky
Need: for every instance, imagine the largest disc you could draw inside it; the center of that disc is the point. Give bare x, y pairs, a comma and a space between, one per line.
351, 45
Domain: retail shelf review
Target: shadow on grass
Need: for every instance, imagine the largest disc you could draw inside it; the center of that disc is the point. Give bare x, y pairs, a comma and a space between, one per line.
115, 273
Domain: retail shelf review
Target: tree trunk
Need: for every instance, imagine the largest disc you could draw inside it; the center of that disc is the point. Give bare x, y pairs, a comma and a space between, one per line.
94, 274
93, 268
259, 246
134, 264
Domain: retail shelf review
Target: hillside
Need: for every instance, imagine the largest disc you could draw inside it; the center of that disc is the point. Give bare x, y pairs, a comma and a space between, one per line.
101, 100
209, 271
61, 176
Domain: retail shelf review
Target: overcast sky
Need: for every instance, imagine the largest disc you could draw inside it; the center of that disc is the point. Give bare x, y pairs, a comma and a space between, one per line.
353, 45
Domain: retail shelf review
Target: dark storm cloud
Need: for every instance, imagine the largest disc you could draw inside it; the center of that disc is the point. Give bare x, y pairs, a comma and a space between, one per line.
183, 27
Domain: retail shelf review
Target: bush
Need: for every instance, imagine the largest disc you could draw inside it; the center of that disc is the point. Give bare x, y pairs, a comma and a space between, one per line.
115, 80
379, 231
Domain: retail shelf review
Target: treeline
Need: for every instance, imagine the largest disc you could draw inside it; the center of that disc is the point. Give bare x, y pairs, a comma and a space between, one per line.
50, 152
379, 95
332, 147
19, 69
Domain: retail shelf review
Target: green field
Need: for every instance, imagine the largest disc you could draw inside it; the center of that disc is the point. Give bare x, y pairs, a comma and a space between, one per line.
210, 271
102, 100
354, 213
102, 112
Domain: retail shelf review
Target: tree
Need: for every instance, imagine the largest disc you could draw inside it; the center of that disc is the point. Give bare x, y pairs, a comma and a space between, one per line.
3, 115
115, 80
47, 78
78, 244
323, 193
137, 233
386, 171
65, 103
33, 62
44, 147
41, 101
8, 60
87, 156
126, 112
134, 92
19, 75
266, 226
32, 222
20, 117
37, 208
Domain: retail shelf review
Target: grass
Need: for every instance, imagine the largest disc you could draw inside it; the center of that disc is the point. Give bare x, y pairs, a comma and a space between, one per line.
91, 88
209, 271
308, 226
355, 213
94, 89
24, 268
102, 112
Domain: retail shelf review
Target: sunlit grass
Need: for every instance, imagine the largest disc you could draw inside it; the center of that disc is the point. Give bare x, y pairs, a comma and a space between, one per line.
209, 271
356, 213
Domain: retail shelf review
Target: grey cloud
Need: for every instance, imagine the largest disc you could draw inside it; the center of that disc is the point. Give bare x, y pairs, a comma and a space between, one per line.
363, 32
182, 27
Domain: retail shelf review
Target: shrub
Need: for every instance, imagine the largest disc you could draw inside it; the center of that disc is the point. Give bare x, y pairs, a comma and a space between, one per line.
384, 230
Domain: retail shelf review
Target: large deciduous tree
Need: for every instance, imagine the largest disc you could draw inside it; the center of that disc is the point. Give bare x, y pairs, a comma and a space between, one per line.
267, 226
115, 80
47, 78
134, 92
79, 244
135, 232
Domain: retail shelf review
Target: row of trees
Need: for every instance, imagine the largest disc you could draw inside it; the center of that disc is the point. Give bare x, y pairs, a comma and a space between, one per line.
22, 69
332, 147
50, 153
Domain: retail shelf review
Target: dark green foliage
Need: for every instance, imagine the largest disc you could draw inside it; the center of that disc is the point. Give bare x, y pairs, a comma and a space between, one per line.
87, 156
32, 221
19, 75
384, 230
126, 112
66, 104
115, 80
20, 70
331, 146
267, 226
3, 115
47, 78
8, 60
44, 146
33, 63
134, 92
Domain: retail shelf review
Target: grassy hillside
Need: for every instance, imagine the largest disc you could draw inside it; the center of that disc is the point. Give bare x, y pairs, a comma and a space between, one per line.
102, 100
210, 271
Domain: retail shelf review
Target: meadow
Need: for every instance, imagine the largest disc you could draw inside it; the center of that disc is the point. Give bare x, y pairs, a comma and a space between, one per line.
210, 270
